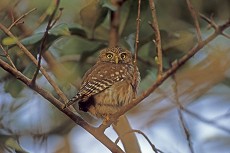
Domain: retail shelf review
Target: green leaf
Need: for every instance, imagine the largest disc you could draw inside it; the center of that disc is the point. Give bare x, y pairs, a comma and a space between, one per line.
92, 15
31, 40
61, 29
75, 45
9, 41
76, 29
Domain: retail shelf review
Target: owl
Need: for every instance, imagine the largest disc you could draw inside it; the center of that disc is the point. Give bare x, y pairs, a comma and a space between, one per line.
110, 84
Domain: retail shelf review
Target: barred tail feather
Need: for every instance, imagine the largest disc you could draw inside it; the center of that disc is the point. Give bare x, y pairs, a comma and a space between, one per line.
72, 100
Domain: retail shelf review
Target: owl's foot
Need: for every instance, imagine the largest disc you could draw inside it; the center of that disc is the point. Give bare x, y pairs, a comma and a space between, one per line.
106, 119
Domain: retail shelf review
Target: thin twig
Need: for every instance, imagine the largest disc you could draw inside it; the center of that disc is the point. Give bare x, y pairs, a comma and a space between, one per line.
193, 13
198, 117
167, 74
209, 20
33, 59
144, 135
155, 26
135, 78
213, 24
205, 120
182, 120
137, 32
44, 38
8, 57
21, 17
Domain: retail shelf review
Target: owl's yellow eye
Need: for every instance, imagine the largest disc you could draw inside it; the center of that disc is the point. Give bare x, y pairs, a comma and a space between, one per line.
123, 55
109, 55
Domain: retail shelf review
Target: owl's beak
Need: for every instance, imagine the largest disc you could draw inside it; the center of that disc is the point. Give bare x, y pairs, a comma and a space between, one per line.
116, 59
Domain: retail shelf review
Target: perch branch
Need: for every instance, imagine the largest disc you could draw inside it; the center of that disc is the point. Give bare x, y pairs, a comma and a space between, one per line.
155, 27
176, 65
99, 136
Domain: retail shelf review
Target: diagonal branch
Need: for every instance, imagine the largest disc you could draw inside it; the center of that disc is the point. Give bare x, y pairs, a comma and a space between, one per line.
181, 117
176, 65
58, 104
20, 18
144, 135
8, 57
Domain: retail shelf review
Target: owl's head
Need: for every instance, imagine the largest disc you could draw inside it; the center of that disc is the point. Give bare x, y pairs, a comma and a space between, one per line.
115, 55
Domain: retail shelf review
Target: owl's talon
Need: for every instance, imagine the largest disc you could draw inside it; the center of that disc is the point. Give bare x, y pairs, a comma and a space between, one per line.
64, 107
106, 119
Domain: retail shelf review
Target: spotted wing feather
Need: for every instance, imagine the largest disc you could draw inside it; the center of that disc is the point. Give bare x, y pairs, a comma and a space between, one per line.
98, 78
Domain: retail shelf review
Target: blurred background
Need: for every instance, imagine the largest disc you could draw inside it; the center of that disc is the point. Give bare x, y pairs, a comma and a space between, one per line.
29, 123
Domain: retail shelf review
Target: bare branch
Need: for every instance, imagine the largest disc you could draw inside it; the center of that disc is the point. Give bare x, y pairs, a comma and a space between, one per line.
144, 135
44, 38
155, 27
137, 31
205, 120
182, 120
135, 78
21, 17
176, 65
193, 13
97, 134
8, 57
210, 21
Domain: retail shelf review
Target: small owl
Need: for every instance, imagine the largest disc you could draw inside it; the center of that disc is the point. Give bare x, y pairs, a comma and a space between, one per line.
109, 84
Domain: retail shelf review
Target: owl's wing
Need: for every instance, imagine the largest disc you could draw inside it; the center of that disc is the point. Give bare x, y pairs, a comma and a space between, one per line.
95, 80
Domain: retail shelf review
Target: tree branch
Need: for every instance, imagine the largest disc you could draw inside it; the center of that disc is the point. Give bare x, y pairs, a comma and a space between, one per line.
193, 13
155, 27
182, 120
33, 59
98, 135
8, 57
43, 41
145, 136
176, 65
20, 18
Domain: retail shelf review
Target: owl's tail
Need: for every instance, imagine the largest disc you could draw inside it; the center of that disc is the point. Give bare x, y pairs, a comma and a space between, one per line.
72, 100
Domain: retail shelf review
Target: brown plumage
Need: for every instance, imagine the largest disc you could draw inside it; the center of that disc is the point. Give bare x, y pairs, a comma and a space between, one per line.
109, 84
